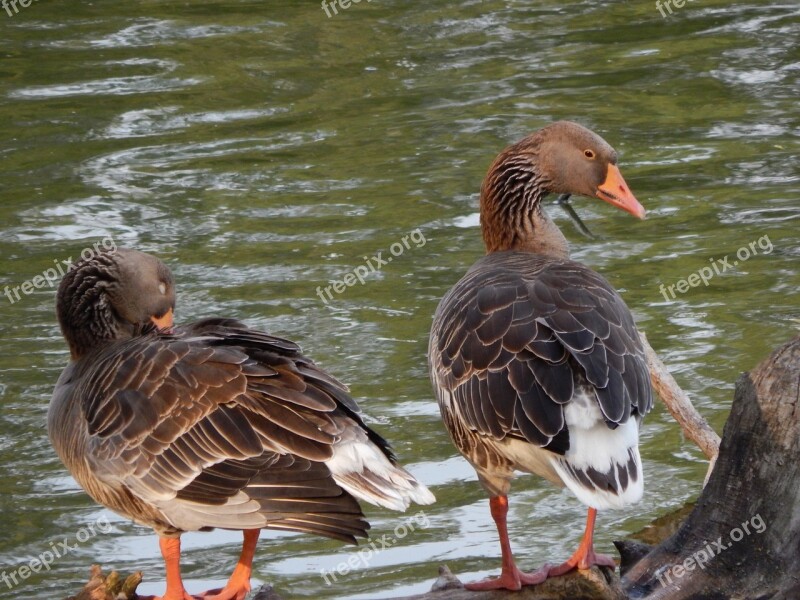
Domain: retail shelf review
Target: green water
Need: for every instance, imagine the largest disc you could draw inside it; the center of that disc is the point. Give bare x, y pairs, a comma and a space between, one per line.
265, 149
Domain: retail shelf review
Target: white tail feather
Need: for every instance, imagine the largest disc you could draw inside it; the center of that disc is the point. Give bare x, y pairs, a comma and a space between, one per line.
362, 469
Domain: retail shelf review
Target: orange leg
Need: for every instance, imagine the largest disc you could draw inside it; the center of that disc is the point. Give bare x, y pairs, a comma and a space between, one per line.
239, 584
171, 551
511, 578
585, 556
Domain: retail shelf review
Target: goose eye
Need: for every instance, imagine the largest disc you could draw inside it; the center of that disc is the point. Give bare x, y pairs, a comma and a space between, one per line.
588, 153
162, 287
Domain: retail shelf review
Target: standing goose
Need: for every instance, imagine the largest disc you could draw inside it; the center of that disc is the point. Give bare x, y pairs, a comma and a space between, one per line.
207, 425
535, 359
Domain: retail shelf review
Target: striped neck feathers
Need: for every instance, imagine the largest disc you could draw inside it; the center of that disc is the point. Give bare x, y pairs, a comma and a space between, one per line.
512, 216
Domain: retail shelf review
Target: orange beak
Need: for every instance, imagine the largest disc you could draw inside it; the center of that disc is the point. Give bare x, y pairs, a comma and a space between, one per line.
616, 192
164, 322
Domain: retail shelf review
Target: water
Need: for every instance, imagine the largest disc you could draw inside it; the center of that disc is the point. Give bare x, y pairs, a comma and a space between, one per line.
265, 150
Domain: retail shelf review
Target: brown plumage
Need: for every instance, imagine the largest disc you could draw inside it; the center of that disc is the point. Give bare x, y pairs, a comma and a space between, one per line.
535, 359
207, 425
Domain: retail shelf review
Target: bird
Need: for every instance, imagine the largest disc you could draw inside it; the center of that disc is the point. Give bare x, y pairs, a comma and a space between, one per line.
535, 359
207, 425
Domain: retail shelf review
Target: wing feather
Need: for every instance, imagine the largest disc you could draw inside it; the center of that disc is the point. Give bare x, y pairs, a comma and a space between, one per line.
217, 425
512, 340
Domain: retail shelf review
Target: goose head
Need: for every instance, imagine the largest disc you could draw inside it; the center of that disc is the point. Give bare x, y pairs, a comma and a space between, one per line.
562, 158
113, 296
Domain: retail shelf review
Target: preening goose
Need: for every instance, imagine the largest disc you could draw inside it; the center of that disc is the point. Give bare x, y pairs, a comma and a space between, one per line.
535, 359
207, 425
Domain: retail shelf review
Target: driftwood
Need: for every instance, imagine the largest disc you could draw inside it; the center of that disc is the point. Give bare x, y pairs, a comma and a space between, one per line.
109, 587
742, 539
594, 584
681, 408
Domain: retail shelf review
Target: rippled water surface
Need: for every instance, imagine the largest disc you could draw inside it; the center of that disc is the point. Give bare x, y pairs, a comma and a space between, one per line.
265, 149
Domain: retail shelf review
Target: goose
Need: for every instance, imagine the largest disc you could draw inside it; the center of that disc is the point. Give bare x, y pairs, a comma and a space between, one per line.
207, 425
535, 359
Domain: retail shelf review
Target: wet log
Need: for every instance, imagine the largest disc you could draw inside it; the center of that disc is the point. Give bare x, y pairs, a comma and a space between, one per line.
111, 586
742, 539
594, 584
